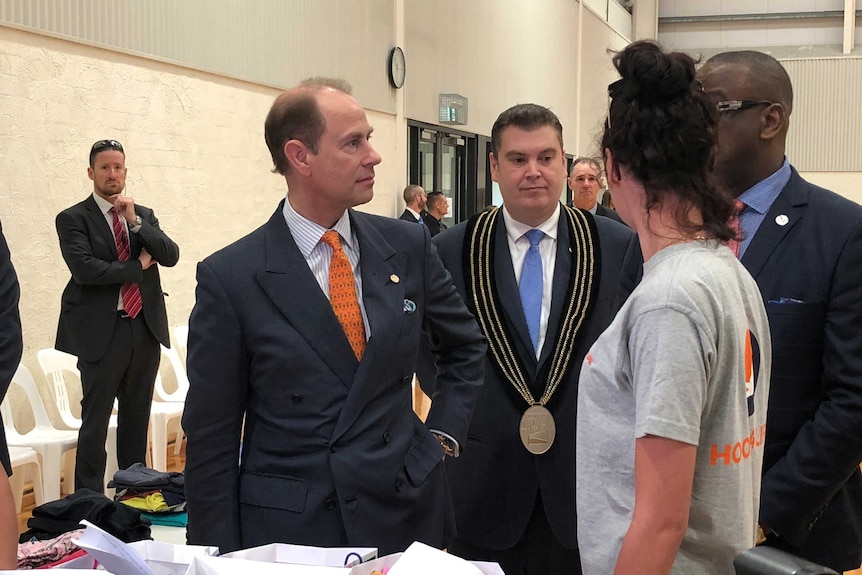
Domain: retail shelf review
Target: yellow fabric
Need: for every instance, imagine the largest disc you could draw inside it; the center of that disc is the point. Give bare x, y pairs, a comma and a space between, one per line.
151, 502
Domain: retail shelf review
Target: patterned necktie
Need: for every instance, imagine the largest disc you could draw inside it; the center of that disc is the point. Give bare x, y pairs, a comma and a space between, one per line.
342, 294
130, 292
734, 244
531, 284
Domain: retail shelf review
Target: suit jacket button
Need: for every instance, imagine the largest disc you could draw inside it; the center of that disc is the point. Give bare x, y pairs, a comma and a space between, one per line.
297, 398
399, 485
333, 448
386, 437
408, 379
330, 504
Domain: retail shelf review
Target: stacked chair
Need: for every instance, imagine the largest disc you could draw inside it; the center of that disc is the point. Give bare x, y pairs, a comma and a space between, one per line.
50, 443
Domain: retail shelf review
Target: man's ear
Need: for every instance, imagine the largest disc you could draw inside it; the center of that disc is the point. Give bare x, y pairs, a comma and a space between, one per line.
297, 155
773, 121
495, 167
91, 174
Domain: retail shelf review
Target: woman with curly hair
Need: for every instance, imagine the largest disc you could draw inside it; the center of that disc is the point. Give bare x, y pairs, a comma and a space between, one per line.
672, 399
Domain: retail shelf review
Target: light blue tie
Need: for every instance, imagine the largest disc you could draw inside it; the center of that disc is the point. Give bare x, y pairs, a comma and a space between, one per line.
530, 286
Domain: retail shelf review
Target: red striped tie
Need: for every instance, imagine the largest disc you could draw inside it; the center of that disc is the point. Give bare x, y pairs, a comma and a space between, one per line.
342, 294
131, 293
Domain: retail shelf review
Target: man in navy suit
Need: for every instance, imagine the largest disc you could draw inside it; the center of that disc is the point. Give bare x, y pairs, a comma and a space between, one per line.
803, 245
585, 180
11, 346
414, 197
332, 453
112, 312
514, 488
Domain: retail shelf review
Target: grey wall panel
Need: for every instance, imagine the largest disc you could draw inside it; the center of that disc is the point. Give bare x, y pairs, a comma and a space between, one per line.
274, 42
826, 123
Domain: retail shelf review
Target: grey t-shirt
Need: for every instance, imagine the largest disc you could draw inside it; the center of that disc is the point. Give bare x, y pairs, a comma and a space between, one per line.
675, 363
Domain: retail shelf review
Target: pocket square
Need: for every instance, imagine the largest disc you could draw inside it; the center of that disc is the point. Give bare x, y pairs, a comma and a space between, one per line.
786, 300
409, 306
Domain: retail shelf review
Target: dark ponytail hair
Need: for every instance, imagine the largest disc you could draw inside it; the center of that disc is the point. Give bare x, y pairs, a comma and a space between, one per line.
661, 127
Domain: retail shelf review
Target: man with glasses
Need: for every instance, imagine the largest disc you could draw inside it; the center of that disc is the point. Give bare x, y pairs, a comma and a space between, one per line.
112, 313
803, 245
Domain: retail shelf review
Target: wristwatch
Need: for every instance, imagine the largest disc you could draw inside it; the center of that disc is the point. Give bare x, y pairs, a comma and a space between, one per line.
448, 445
139, 220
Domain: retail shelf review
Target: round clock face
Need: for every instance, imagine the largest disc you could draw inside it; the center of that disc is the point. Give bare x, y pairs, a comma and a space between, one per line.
397, 67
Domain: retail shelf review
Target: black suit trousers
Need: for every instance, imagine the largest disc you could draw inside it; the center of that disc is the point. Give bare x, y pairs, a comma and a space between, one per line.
127, 372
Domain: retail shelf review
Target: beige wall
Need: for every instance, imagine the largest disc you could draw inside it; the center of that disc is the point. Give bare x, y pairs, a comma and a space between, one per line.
499, 54
848, 184
195, 154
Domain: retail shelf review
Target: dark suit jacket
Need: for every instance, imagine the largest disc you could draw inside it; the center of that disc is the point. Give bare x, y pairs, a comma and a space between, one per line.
11, 344
812, 487
332, 453
495, 482
408, 217
88, 308
435, 226
608, 213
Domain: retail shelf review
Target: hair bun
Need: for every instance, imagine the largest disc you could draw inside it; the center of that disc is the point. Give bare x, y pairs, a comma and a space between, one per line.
650, 75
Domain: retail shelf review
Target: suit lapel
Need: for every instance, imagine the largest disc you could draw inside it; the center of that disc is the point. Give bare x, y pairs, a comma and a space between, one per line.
383, 277
97, 218
292, 287
788, 207
562, 274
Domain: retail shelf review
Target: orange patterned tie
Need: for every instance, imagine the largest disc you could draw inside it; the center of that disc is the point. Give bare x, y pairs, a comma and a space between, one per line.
738, 206
342, 294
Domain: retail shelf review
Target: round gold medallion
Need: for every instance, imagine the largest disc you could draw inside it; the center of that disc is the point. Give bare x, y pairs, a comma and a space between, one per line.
538, 429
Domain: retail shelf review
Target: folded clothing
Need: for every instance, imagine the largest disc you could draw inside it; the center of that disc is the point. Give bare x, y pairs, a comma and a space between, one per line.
33, 554
57, 517
142, 478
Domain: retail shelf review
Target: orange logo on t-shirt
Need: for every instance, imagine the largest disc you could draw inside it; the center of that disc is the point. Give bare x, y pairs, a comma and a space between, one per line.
589, 359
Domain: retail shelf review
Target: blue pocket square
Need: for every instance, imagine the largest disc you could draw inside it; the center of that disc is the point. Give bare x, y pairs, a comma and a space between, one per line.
409, 306
785, 300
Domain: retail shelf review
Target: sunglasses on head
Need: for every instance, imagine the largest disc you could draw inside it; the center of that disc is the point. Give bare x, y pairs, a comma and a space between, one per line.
106, 145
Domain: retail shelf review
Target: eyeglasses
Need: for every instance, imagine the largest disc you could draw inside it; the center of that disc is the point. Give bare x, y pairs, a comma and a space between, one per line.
739, 105
106, 145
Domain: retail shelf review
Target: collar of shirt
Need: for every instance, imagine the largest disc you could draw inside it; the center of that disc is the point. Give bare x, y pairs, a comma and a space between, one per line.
416, 214
762, 195
516, 229
307, 234
103, 204
594, 210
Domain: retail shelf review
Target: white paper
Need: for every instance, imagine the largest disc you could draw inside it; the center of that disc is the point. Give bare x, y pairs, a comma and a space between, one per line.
168, 558
116, 556
420, 559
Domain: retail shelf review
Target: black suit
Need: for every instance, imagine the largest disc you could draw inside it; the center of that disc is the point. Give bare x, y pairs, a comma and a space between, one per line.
118, 357
608, 213
435, 226
807, 260
407, 216
332, 453
11, 344
496, 483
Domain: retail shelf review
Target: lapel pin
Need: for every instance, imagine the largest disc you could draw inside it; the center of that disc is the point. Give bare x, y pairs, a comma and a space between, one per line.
394, 278
409, 306
781, 220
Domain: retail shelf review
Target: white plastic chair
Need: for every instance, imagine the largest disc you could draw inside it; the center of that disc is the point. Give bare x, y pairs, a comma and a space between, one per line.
181, 339
177, 396
50, 443
23, 458
55, 364
161, 414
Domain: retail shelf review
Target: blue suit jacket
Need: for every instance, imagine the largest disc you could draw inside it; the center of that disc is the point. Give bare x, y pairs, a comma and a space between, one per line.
332, 453
809, 271
496, 482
